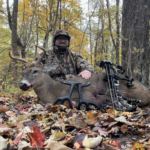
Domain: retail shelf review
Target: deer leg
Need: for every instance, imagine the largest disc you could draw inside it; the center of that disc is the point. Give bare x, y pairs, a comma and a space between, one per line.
68, 97
83, 101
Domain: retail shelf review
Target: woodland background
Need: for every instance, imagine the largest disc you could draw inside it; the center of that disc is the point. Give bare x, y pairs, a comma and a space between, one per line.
116, 30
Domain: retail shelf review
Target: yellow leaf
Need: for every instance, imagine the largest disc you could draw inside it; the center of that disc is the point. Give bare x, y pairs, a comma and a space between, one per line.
40, 118
57, 135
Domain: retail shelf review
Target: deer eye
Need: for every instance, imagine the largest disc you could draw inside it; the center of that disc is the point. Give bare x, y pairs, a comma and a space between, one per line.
35, 71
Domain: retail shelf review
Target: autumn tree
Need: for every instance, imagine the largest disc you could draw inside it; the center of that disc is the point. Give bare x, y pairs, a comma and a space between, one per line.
103, 31
4, 44
135, 31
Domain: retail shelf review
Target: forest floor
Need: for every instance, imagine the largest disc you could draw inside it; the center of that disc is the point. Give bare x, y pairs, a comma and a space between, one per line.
26, 123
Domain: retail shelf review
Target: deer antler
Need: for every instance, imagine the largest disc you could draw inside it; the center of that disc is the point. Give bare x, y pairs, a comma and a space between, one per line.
44, 53
11, 56
38, 61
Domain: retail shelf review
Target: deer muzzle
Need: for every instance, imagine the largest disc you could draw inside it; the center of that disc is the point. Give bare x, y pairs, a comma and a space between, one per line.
24, 85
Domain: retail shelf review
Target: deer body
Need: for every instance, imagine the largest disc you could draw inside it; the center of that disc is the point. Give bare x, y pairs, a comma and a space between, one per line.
48, 90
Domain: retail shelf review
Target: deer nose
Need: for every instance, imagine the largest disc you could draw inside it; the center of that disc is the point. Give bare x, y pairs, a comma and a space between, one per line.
24, 86
21, 85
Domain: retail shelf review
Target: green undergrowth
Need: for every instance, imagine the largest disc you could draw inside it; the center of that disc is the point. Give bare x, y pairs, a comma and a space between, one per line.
12, 90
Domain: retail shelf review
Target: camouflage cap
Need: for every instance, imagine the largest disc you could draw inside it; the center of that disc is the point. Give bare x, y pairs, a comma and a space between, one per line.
60, 32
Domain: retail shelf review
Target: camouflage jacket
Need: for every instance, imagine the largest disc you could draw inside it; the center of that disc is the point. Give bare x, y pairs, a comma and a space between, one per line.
59, 65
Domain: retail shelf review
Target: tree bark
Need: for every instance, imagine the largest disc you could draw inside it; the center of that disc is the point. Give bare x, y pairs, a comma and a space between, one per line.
90, 30
135, 47
14, 38
109, 22
49, 29
56, 17
102, 30
117, 31
9, 15
60, 16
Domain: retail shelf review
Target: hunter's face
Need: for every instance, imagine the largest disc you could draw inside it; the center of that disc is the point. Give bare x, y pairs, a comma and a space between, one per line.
62, 41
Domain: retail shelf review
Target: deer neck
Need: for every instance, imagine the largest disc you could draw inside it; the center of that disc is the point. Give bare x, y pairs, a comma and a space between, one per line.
49, 89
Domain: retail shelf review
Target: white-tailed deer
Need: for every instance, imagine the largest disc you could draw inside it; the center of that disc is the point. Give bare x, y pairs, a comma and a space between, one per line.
48, 90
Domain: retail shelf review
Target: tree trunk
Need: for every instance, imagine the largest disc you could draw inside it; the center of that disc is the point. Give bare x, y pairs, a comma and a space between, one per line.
49, 29
135, 47
90, 30
102, 30
60, 16
14, 38
109, 24
56, 17
117, 31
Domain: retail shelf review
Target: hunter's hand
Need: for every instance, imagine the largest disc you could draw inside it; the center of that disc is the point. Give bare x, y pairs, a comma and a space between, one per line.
85, 74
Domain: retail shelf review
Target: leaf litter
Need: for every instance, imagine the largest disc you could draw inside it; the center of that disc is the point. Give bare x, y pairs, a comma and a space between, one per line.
27, 124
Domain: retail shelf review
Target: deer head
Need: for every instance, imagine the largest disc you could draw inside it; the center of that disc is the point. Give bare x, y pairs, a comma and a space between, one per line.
33, 72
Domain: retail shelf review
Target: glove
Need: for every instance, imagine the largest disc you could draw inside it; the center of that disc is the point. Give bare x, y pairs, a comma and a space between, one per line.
85, 74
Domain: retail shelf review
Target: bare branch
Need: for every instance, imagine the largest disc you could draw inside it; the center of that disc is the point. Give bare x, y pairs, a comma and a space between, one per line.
3, 12
48, 30
56, 17
87, 25
32, 22
9, 15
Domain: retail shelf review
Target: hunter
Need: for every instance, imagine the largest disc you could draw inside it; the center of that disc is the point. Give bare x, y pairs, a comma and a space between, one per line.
65, 61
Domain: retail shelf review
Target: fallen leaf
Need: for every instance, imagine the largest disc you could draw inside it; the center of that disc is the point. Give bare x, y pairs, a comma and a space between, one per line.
92, 142
93, 117
138, 146
126, 113
78, 139
2, 99
3, 143
114, 130
54, 109
143, 133
36, 138
17, 139
105, 124
4, 129
53, 145
148, 141
67, 140
20, 108
123, 120
112, 124
3, 108
124, 128
111, 112
79, 122
23, 145
102, 132
41, 118
76, 145
116, 144
57, 135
